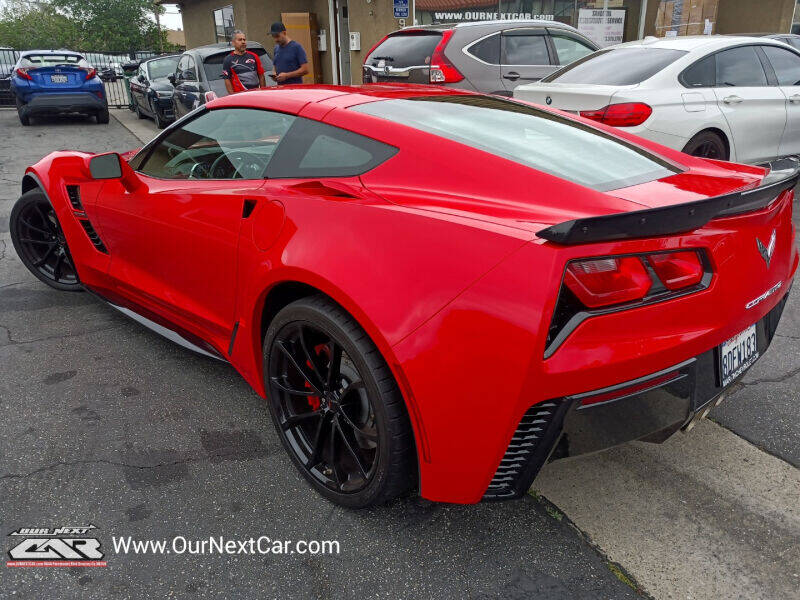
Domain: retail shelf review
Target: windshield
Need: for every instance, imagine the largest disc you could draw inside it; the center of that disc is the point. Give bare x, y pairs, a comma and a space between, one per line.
406, 49
162, 67
34, 61
530, 136
616, 66
212, 65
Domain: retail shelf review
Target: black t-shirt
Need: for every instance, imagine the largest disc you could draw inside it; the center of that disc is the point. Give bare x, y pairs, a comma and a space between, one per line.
243, 70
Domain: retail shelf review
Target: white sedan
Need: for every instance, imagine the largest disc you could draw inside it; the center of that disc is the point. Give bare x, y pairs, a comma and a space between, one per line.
729, 98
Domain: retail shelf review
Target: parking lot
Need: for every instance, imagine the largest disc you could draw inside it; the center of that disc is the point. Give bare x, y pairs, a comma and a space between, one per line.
108, 424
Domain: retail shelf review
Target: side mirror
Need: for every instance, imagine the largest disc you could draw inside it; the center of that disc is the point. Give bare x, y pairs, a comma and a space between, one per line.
105, 166
141, 78
111, 166
171, 78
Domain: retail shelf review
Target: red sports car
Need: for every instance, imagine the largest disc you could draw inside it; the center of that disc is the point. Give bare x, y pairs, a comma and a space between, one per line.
432, 288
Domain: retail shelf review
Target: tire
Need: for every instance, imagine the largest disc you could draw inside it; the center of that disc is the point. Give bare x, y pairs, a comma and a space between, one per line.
102, 116
160, 121
139, 112
707, 144
23, 118
40, 242
376, 458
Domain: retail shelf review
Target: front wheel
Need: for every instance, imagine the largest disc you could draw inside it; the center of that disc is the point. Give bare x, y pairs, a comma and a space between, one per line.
40, 243
336, 406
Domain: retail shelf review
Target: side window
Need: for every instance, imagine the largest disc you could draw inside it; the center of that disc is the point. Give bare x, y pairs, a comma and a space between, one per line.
189, 73
523, 49
786, 64
703, 73
569, 49
314, 149
487, 50
227, 143
181, 67
740, 67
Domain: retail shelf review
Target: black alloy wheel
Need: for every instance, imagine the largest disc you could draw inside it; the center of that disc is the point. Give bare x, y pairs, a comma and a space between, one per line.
40, 243
335, 405
707, 144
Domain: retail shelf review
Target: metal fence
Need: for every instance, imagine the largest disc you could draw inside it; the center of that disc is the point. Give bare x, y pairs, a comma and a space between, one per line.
112, 67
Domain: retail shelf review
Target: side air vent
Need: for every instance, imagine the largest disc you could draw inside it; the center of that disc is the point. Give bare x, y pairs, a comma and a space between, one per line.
74, 194
93, 237
528, 450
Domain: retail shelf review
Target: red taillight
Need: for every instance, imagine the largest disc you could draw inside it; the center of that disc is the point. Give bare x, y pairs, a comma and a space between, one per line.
607, 281
677, 270
24, 74
90, 73
626, 114
442, 70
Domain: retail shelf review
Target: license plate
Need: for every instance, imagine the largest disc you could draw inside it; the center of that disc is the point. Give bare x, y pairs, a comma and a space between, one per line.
737, 354
58, 78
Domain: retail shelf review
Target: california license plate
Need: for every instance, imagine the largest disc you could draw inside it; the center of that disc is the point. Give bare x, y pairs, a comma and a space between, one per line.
58, 78
738, 354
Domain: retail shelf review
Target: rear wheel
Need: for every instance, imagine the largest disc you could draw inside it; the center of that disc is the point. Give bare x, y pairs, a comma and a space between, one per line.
336, 406
139, 112
161, 122
40, 243
707, 144
23, 118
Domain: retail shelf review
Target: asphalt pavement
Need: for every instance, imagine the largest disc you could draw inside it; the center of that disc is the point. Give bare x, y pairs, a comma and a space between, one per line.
109, 424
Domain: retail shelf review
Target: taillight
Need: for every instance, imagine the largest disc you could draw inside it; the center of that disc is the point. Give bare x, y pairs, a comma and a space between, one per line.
24, 74
677, 270
627, 114
442, 70
90, 73
607, 281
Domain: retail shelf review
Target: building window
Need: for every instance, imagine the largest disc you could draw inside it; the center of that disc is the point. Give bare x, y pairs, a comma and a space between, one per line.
223, 23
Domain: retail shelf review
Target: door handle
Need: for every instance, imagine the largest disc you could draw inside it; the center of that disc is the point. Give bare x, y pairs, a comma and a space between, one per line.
732, 99
794, 99
512, 75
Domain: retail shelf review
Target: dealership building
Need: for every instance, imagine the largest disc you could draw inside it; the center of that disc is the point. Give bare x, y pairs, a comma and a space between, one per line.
337, 34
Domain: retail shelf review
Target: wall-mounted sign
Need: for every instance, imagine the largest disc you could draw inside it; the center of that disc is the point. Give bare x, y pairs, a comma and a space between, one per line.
400, 9
603, 27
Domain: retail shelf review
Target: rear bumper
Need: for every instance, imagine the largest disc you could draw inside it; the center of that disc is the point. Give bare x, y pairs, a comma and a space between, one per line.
63, 102
649, 408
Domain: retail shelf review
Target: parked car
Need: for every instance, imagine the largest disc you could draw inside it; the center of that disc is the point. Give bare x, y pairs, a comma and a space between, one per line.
151, 90
199, 70
488, 56
57, 82
107, 74
729, 98
431, 287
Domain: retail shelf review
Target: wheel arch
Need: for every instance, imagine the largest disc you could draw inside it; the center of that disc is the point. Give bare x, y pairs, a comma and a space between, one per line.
282, 293
31, 182
717, 131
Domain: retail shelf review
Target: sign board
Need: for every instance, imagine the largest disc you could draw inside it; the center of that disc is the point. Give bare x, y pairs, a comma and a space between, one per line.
603, 27
400, 9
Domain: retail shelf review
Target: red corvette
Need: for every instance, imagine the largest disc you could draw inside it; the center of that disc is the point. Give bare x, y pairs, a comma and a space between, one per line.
432, 288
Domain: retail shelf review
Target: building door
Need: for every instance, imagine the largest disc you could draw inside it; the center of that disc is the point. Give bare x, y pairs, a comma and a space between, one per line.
343, 39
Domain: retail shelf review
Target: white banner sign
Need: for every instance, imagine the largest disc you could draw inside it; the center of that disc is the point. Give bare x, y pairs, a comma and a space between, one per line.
603, 27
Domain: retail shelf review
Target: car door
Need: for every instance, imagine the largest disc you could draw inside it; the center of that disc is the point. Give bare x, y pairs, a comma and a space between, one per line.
754, 110
137, 88
525, 56
187, 90
786, 66
483, 70
173, 241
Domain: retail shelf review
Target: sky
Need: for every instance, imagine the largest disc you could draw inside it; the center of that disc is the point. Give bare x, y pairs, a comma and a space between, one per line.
172, 18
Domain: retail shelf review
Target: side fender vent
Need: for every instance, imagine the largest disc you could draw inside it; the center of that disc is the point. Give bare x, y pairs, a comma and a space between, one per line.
93, 237
74, 194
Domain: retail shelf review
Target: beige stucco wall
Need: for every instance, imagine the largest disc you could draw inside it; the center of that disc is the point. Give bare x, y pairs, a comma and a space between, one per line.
755, 16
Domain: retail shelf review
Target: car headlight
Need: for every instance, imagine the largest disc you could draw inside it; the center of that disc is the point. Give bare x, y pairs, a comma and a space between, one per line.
163, 93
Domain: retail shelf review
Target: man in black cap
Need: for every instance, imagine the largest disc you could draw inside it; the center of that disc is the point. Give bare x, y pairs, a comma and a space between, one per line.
290, 62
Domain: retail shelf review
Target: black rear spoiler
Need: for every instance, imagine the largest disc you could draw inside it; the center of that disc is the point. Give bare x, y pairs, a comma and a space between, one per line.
668, 220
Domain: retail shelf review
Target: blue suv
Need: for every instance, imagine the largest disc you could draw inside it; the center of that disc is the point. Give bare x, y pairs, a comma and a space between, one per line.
54, 82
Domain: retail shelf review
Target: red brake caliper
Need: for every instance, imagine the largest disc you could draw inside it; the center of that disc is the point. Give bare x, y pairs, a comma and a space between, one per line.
313, 401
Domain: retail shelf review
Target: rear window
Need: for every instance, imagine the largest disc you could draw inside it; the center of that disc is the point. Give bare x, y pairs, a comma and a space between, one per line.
33, 61
529, 136
406, 49
212, 65
617, 66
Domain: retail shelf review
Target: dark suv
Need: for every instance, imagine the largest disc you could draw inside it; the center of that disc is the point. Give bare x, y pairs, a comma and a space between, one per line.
199, 70
487, 56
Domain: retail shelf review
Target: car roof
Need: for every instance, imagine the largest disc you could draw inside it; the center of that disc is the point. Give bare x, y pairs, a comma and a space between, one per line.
177, 55
46, 52
689, 43
511, 24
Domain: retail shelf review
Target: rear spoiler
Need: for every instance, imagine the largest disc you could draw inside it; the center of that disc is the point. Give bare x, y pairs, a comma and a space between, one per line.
680, 218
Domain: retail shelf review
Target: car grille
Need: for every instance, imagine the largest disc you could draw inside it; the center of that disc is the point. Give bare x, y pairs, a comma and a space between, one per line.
529, 448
